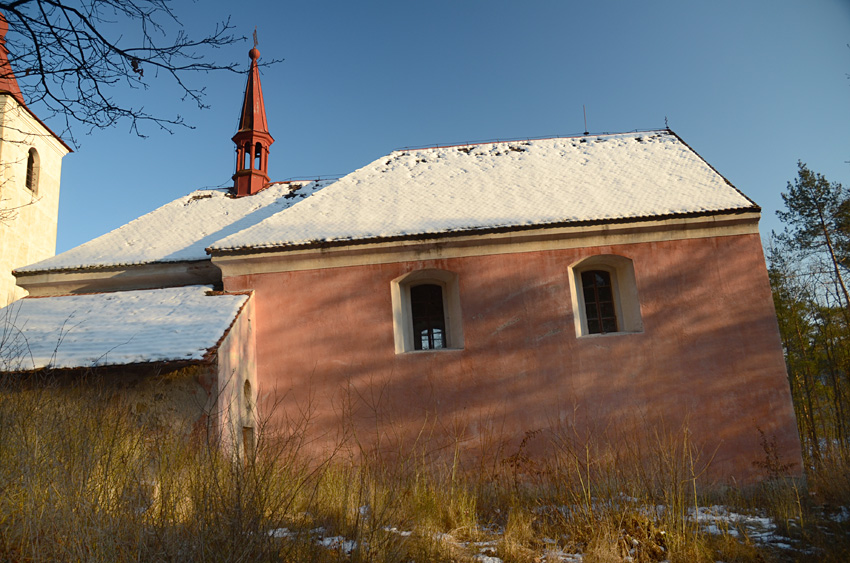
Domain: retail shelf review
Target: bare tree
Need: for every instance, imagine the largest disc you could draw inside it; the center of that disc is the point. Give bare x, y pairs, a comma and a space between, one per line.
78, 53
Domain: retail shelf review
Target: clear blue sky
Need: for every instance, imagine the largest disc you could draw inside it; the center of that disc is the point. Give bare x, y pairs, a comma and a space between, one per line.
752, 86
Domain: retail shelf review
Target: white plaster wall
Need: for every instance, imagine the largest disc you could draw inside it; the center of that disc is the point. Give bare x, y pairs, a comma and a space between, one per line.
236, 365
27, 221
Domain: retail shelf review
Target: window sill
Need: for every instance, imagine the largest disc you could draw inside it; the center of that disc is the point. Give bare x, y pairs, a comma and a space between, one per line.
608, 334
434, 351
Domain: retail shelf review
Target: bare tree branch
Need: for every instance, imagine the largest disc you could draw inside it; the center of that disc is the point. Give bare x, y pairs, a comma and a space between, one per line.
80, 60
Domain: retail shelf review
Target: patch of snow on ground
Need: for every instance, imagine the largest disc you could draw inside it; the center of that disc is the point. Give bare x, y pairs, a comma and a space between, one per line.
394, 530
338, 543
720, 520
559, 556
841, 515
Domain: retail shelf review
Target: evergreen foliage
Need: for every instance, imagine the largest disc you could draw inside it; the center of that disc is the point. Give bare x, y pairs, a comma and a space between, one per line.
807, 266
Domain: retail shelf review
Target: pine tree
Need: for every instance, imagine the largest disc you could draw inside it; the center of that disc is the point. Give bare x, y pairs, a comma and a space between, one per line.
808, 263
817, 221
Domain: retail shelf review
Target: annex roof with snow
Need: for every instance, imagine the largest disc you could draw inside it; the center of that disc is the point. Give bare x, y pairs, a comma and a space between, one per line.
182, 324
503, 185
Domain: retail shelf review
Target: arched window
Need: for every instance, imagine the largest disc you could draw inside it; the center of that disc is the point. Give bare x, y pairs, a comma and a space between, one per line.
426, 311
258, 156
428, 317
248, 441
247, 402
247, 158
604, 296
32, 171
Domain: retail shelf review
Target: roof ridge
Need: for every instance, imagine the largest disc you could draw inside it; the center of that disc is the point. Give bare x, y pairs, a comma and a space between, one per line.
520, 139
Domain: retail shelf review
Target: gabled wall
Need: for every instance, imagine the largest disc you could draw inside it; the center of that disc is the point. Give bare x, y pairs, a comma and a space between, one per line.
236, 390
708, 360
28, 221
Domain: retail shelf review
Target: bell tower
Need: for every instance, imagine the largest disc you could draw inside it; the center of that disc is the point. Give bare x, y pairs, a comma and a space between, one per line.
30, 167
252, 139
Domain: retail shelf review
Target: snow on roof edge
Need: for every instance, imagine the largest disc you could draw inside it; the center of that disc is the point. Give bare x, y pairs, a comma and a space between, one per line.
29, 269
223, 246
248, 249
20, 273
725, 179
208, 354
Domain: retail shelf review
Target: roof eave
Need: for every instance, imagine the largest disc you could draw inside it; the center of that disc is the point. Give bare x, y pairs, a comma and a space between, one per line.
475, 231
208, 359
104, 279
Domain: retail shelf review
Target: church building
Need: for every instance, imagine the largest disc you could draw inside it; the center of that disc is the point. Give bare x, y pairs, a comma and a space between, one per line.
451, 298
30, 166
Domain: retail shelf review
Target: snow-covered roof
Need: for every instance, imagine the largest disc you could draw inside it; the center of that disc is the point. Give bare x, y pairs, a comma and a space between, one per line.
180, 230
420, 192
127, 327
502, 185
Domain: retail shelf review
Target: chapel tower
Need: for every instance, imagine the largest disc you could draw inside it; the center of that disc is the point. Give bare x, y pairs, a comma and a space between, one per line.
30, 167
252, 139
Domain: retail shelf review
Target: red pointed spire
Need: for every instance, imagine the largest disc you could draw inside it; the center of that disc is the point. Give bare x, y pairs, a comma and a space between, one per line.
253, 139
8, 82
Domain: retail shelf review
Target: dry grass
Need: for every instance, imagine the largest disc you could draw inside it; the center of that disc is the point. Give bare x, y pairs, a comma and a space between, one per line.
83, 479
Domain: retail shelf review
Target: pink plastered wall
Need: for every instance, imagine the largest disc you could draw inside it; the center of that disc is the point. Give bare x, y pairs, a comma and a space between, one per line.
708, 360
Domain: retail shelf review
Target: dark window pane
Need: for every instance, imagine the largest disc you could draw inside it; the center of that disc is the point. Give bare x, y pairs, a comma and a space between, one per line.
30, 169
429, 324
604, 294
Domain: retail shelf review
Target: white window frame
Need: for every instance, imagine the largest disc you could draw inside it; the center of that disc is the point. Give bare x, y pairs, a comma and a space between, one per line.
624, 287
403, 317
